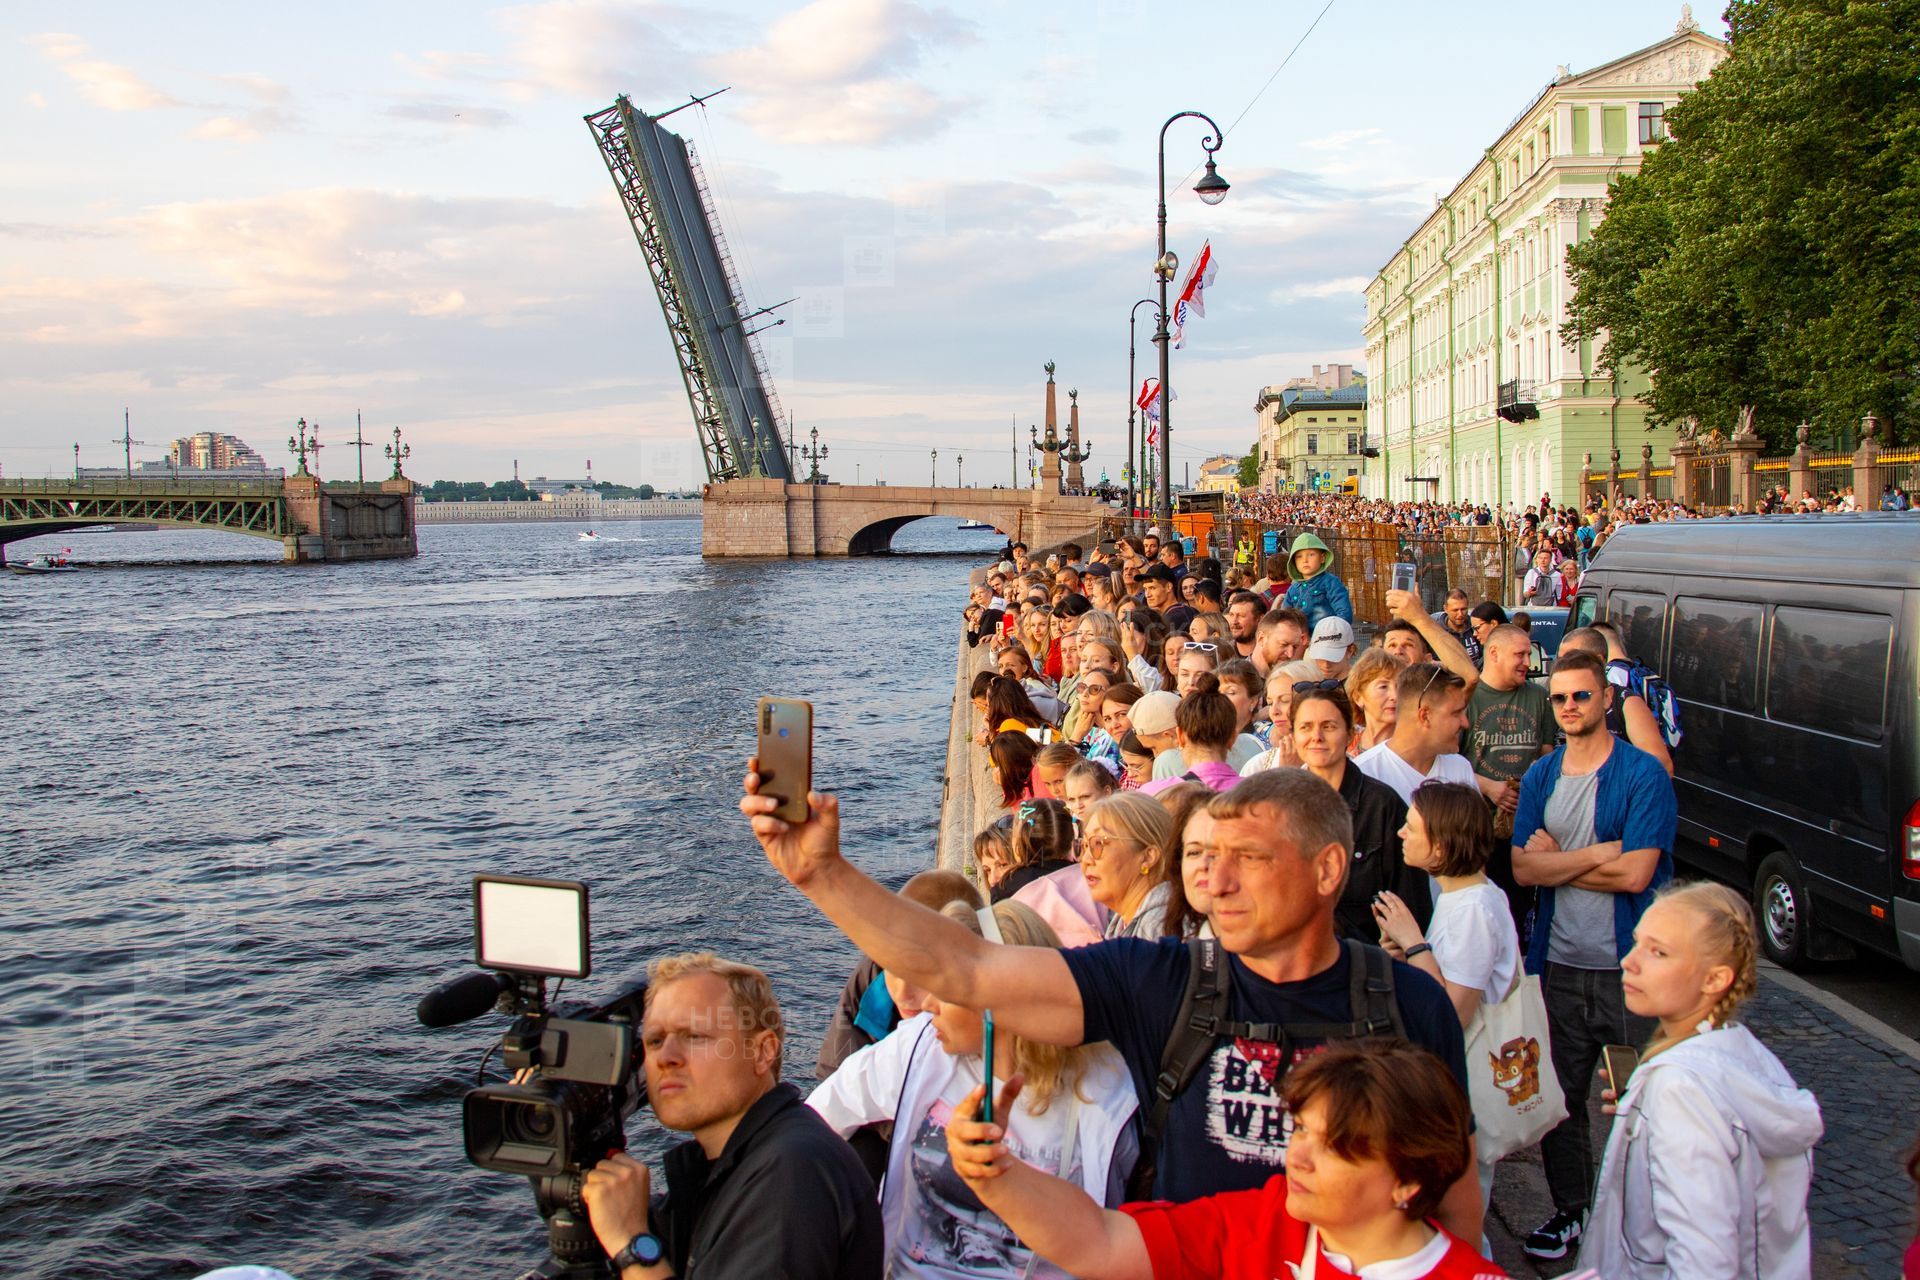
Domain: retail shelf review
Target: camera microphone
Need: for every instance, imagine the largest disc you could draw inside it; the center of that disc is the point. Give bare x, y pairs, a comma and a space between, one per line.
462, 999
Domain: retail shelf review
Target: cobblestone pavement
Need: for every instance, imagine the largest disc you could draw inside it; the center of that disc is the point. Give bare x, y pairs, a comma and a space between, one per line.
1861, 1206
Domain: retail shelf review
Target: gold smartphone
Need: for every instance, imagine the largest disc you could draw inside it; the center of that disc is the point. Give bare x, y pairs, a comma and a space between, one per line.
786, 755
1620, 1060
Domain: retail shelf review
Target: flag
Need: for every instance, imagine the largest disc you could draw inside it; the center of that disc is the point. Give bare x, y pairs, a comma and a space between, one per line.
1193, 293
1149, 402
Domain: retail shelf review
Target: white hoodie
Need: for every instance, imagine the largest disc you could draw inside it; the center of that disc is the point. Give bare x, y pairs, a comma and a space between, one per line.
1707, 1168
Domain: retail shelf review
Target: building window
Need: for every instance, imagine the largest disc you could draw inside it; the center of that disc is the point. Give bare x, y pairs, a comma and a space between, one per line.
1353, 442
1653, 122
1313, 444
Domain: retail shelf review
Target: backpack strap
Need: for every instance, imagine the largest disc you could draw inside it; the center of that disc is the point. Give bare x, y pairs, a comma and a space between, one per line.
1370, 1001
1203, 1007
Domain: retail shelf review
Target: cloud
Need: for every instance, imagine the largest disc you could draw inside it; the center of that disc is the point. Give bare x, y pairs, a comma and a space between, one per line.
1346, 138
248, 126
1094, 137
839, 72
590, 49
105, 84
1351, 287
37, 101
262, 87
451, 114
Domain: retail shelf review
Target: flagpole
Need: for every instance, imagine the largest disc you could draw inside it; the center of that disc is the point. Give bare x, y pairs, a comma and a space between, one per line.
1211, 189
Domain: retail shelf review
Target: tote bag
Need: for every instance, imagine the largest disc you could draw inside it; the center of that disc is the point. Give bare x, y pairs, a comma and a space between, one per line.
1516, 1096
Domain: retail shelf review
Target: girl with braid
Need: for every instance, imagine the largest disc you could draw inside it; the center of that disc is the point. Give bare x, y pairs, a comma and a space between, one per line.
1707, 1167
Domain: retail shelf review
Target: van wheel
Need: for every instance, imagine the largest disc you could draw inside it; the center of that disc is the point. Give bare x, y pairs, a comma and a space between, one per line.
1782, 910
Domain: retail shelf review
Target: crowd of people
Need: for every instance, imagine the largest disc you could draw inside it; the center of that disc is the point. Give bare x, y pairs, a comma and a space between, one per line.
1224, 992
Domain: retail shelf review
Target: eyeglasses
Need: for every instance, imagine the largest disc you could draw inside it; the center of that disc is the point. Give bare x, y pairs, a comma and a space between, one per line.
1305, 687
1201, 646
1097, 845
1580, 696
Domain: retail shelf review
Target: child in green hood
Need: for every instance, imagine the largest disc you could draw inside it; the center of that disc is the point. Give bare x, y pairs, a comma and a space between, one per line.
1316, 591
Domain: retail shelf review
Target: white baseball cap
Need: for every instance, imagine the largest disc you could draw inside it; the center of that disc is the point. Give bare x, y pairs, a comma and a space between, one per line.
1332, 638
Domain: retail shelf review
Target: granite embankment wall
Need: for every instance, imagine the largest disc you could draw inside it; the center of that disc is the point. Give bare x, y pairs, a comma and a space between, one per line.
970, 800
607, 509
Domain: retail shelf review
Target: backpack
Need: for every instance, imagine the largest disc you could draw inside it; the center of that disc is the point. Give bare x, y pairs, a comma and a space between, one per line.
1658, 695
1202, 1021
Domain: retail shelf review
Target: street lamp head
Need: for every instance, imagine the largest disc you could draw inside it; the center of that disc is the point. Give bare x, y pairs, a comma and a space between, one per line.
1212, 188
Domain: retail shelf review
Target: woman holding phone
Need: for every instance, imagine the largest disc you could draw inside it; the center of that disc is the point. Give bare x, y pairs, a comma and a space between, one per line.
1071, 1118
1711, 1154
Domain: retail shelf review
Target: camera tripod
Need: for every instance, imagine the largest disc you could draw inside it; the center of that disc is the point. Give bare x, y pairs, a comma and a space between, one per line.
573, 1251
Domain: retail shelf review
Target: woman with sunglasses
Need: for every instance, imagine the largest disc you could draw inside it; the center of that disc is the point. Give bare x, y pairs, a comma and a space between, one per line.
1322, 729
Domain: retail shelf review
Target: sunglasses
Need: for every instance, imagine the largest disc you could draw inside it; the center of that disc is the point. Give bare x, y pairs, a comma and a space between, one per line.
1201, 646
1315, 686
1579, 696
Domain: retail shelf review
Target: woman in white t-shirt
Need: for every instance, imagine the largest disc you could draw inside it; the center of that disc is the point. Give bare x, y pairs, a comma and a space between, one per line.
1072, 1118
1469, 945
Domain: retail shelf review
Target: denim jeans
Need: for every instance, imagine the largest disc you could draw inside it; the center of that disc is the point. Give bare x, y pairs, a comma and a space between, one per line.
1585, 1010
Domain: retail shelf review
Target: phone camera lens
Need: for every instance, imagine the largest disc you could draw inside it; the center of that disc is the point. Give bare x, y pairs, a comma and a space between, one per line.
783, 733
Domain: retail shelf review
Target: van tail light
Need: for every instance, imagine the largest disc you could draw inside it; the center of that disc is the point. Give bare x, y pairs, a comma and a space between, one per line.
1910, 843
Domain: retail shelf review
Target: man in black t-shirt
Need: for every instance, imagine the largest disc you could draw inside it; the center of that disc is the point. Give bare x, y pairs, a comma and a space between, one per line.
1281, 846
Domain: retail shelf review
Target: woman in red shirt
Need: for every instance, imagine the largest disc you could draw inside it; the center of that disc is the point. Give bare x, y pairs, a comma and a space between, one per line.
1379, 1133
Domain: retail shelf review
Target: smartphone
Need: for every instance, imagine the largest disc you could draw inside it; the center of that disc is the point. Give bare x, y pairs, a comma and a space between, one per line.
1402, 577
786, 755
986, 1049
1620, 1060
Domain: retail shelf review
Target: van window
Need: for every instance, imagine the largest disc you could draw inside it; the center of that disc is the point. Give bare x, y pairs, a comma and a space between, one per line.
1716, 653
1641, 618
1584, 606
1829, 671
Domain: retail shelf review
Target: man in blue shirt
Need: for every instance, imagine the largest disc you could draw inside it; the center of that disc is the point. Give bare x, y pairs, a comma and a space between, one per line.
1278, 858
1594, 832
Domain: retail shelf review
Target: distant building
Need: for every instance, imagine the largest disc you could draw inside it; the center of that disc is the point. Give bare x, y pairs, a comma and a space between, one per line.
209, 451
547, 490
1312, 434
1219, 474
1474, 396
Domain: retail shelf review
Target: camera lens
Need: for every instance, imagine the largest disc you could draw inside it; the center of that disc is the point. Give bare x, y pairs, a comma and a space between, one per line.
529, 1122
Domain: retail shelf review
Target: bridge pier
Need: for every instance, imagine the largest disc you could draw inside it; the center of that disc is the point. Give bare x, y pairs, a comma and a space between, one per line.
759, 517
329, 525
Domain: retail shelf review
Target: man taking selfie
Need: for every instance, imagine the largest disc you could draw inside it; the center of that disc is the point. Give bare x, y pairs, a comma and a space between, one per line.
763, 1187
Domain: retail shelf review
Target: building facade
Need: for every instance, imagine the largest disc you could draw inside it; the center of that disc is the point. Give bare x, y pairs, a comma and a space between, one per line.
1473, 395
1312, 435
1219, 474
209, 451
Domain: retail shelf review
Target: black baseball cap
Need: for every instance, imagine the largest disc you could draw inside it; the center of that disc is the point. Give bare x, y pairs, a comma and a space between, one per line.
1157, 573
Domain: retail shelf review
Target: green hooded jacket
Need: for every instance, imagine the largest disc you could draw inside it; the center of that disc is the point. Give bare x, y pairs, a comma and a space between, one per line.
1307, 542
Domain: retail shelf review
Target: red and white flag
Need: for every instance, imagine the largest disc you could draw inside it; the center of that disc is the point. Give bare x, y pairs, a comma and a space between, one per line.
1193, 293
1149, 402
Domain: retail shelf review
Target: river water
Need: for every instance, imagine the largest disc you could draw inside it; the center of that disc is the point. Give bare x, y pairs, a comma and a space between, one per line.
241, 803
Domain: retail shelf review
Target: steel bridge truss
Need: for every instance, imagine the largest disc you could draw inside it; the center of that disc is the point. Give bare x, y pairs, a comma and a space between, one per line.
668, 204
27, 511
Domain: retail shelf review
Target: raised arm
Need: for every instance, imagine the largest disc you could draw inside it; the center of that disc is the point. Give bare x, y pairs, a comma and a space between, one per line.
1030, 990
1052, 1217
1450, 652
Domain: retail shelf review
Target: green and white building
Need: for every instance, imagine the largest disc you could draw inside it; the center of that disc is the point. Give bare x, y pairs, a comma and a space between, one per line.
1472, 396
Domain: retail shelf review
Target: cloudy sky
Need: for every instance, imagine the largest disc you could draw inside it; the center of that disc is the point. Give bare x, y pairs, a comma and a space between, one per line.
226, 216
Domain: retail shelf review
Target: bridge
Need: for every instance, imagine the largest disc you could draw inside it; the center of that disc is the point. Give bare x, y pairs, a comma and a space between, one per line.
311, 523
752, 505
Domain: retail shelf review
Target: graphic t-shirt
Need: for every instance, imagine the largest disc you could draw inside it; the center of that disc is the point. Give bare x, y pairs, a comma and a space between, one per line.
1506, 729
1249, 1235
1228, 1130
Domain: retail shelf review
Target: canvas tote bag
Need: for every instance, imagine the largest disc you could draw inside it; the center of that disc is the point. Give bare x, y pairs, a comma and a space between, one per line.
1516, 1096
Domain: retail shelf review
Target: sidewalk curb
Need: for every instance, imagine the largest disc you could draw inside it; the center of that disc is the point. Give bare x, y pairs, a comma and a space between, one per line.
1866, 1022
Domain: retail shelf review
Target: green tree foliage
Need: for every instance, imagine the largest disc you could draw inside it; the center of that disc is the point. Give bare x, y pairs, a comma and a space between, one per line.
1250, 469
1767, 255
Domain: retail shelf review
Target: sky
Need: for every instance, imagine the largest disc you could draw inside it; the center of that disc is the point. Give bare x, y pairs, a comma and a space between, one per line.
226, 217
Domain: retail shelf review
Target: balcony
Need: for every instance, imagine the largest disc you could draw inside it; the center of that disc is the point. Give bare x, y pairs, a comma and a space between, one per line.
1517, 402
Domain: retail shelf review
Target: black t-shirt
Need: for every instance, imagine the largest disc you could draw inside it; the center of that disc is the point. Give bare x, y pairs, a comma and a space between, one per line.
1228, 1130
1378, 863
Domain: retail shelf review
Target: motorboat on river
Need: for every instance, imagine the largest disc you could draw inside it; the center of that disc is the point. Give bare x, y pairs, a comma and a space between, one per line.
45, 563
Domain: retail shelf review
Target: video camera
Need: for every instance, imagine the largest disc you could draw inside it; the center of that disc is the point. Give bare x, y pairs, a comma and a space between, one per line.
577, 1067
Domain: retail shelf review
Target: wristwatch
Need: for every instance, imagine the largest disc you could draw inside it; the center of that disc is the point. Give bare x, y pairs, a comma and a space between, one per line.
644, 1250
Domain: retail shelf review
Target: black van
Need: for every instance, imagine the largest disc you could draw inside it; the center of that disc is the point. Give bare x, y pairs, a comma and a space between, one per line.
1790, 644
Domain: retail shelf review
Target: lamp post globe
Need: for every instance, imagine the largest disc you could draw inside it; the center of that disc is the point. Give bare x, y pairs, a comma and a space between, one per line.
1212, 188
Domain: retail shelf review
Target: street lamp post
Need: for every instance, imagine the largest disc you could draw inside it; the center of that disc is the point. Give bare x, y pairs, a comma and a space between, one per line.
960, 471
1211, 189
1133, 468
934, 482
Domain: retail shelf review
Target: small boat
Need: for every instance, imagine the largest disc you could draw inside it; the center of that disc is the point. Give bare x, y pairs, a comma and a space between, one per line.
974, 526
44, 563
591, 536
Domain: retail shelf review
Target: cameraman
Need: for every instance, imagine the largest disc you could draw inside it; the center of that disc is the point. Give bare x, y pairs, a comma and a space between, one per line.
764, 1187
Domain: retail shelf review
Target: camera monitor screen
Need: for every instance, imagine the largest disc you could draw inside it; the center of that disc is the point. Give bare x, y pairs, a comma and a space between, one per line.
531, 926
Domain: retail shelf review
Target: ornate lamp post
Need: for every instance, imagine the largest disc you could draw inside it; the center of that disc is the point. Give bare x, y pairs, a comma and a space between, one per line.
813, 456
934, 480
1212, 189
308, 443
399, 453
1134, 470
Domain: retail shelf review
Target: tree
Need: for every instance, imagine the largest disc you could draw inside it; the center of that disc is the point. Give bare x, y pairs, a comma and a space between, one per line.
1766, 254
1250, 469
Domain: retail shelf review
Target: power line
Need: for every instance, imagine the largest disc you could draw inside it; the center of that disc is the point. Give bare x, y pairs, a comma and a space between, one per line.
1270, 79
